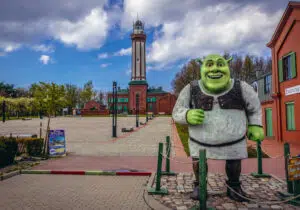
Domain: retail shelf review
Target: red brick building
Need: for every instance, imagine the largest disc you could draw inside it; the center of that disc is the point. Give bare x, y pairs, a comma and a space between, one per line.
94, 108
151, 100
281, 112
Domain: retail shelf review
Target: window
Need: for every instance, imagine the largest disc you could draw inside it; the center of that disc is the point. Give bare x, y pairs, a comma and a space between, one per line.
287, 67
290, 116
268, 83
152, 99
150, 107
269, 126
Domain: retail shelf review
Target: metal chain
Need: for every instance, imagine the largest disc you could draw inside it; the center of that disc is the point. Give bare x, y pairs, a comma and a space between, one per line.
259, 202
178, 160
273, 157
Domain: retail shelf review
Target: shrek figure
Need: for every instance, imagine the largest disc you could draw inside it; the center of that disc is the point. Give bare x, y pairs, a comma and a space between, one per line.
220, 112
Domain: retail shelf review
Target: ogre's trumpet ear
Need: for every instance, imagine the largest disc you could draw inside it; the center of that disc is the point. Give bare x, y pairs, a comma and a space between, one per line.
229, 59
198, 60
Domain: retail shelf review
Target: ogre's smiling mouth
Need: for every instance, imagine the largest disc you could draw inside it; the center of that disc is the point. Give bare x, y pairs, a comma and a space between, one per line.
215, 75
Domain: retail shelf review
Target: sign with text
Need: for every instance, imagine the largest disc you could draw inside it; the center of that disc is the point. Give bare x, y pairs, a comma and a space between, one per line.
294, 168
57, 143
292, 90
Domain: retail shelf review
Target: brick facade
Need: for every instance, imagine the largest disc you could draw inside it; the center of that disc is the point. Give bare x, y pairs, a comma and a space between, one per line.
285, 43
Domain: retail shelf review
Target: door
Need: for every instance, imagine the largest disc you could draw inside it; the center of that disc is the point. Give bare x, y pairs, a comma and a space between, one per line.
269, 124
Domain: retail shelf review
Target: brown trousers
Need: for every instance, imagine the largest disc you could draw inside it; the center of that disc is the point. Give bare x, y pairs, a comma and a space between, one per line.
233, 169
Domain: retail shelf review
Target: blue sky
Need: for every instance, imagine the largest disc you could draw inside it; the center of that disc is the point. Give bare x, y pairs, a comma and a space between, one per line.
64, 42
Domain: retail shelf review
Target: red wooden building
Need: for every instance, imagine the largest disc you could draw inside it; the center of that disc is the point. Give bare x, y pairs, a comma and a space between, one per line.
154, 100
281, 114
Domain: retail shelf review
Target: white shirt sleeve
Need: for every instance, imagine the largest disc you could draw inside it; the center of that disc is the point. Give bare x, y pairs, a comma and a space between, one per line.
252, 103
182, 106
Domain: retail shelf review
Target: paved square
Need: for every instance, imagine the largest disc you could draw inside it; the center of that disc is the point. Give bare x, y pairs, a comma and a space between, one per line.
93, 135
72, 192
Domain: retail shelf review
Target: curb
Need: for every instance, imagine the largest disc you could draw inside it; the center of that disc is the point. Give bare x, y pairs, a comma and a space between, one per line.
155, 204
9, 175
97, 173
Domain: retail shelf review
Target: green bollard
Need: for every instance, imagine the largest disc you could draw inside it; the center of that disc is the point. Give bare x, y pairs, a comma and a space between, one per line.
259, 173
297, 189
157, 190
293, 187
168, 150
286, 155
202, 182
202, 179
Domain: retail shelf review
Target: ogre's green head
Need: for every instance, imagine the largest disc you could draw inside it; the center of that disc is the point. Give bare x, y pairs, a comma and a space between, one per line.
215, 73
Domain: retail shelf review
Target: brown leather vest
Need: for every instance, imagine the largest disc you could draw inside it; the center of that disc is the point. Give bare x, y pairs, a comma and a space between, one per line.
231, 100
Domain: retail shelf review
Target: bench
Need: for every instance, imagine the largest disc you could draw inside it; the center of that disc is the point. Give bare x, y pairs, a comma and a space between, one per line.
127, 129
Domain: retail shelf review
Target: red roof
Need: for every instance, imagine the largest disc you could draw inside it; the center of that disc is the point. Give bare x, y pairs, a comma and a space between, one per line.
284, 18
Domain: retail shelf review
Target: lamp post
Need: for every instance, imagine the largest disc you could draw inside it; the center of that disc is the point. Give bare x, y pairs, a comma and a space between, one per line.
146, 110
114, 115
3, 111
137, 109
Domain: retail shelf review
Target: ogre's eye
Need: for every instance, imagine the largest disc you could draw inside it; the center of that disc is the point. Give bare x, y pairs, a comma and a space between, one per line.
209, 64
220, 64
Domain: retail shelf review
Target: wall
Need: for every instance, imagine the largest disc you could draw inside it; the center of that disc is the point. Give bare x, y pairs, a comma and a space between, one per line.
286, 43
142, 91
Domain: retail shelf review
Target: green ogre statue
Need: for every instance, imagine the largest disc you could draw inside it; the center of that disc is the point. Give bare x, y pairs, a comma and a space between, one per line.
220, 112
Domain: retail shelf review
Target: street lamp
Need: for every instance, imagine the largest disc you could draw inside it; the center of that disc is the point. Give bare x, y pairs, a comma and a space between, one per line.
114, 115
3, 111
137, 109
146, 110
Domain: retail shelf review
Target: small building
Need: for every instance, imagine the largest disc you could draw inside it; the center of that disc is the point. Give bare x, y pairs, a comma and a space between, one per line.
154, 100
263, 87
94, 108
281, 113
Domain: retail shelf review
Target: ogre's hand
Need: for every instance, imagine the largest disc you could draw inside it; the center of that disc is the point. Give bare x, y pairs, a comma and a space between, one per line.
195, 116
255, 133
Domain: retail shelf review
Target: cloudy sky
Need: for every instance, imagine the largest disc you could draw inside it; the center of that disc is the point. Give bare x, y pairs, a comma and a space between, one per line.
73, 41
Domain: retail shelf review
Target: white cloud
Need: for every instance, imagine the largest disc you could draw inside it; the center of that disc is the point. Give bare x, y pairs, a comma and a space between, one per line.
87, 33
128, 72
102, 55
191, 37
45, 59
9, 47
44, 48
104, 65
190, 29
123, 52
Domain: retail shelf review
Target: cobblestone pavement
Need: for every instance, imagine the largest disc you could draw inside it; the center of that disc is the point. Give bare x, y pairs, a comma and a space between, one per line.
73, 192
93, 135
262, 189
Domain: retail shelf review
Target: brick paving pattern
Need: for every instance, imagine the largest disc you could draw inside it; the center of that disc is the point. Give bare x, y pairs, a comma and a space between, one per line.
72, 192
262, 189
92, 148
93, 135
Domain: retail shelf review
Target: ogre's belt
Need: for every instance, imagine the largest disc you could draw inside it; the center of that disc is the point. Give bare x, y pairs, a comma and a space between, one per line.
217, 145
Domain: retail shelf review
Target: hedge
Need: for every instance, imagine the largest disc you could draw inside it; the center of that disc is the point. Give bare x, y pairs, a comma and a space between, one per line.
8, 150
11, 146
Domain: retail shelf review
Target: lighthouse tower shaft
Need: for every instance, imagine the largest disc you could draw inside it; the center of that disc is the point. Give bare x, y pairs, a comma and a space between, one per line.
138, 68
138, 85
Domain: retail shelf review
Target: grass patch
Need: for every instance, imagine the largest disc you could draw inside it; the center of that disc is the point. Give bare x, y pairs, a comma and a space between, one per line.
20, 118
18, 166
184, 137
